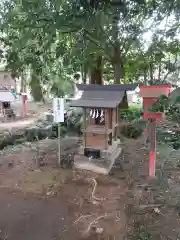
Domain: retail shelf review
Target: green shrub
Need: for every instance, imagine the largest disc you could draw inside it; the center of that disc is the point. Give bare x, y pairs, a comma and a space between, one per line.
75, 120
131, 131
31, 134
134, 108
6, 140
54, 132
38, 133
130, 113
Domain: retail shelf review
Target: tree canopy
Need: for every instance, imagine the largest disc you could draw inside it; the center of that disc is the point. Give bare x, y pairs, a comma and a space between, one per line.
51, 40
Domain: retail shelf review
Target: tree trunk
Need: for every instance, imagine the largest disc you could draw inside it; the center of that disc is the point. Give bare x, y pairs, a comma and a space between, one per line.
85, 77
23, 83
118, 72
96, 72
159, 71
145, 77
84, 74
117, 60
36, 89
151, 72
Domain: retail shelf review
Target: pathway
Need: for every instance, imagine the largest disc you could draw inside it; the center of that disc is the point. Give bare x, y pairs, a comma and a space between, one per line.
31, 217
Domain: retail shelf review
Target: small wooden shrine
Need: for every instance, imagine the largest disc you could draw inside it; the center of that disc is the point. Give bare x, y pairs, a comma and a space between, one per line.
6, 99
101, 105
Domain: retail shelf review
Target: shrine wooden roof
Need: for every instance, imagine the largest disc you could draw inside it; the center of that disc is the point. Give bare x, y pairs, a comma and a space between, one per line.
6, 96
99, 99
102, 96
110, 87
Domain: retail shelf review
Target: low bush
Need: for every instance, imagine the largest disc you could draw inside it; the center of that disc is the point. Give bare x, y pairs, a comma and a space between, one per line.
132, 124
54, 132
131, 131
74, 120
130, 113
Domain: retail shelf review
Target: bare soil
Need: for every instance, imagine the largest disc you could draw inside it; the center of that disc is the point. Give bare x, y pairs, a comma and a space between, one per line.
21, 123
32, 217
35, 110
52, 203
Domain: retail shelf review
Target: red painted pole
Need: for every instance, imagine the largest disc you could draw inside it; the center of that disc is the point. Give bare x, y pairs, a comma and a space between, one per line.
152, 150
24, 103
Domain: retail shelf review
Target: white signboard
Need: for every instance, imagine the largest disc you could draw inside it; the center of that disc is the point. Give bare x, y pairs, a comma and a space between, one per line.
58, 109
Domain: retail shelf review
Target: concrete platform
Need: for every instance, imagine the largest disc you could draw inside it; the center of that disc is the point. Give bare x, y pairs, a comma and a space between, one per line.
102, 166
104, 153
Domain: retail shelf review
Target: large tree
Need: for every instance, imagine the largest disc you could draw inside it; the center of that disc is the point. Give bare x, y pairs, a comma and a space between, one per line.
86, 35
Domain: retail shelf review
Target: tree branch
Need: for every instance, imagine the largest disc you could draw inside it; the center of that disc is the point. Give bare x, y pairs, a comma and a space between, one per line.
167, 74
95, 41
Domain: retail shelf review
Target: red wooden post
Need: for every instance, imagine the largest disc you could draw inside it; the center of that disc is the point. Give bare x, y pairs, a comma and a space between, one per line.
152, 149
24, 103
150, 95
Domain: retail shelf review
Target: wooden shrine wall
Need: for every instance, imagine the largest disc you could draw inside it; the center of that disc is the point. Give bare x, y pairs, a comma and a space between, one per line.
94, 140
100, 140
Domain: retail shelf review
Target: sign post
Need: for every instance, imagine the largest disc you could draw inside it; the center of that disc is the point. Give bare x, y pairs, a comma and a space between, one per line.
58, 109
59, 144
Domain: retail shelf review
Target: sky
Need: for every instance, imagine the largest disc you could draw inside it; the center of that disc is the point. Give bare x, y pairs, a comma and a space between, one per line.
165, 25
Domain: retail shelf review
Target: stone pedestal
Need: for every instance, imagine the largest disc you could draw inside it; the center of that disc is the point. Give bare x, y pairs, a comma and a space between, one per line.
101, 165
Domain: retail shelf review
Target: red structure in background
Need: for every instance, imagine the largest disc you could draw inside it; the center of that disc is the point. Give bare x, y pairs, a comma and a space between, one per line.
150, 94
24, 103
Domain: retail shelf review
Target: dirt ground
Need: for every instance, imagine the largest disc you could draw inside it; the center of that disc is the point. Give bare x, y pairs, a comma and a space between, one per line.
49, 203
35, 110
32, 217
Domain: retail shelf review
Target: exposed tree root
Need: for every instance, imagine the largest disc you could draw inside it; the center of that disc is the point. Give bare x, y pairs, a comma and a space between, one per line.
82, 217
94, 190
106, 215
95, 221
150, 206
